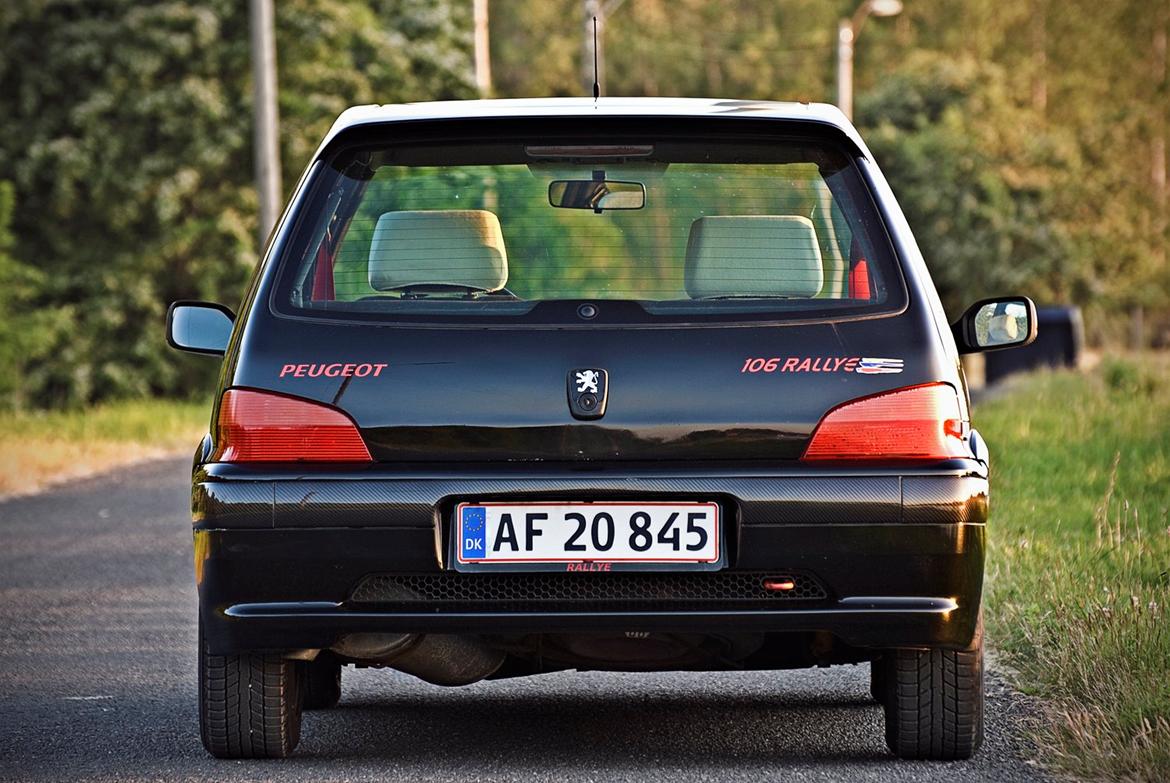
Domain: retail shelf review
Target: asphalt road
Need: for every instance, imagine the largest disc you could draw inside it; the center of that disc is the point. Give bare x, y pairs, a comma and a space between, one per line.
97, 682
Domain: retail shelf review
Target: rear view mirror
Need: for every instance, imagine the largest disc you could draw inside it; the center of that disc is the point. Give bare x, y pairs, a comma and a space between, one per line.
596, 194
992, 324
199, 327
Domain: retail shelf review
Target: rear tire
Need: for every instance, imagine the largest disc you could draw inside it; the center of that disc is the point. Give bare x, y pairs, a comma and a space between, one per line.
322, 684
933, 701
249, 705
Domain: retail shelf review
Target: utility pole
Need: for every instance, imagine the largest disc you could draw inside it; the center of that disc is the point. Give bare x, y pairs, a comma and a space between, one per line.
483, 57
847, 31
845, 67
265, 146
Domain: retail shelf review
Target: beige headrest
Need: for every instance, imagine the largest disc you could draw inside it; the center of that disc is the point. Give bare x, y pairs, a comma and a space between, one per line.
446, 247
753, 255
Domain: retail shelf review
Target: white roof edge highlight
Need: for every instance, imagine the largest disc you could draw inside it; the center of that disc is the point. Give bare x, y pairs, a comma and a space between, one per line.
374, 114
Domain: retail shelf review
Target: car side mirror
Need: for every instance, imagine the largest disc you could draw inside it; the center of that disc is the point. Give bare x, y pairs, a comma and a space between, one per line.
991, 324
199, 327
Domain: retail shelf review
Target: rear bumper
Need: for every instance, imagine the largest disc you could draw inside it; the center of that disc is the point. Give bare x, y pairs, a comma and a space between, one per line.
900, 555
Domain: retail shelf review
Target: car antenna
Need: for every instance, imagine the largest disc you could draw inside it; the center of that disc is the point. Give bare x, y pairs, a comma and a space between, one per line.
596, 84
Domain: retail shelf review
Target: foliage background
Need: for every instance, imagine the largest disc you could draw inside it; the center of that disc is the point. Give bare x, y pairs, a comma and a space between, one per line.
1025, 139
127, 142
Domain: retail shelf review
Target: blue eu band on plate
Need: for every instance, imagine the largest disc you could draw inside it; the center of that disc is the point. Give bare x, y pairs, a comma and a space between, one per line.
472, 519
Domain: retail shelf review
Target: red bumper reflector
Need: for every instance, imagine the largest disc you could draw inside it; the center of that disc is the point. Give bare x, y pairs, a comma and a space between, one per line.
262, 427
915, 423
779, 585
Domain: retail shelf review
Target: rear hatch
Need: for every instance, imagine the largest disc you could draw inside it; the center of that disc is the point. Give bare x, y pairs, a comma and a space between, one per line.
729, 281
453, 395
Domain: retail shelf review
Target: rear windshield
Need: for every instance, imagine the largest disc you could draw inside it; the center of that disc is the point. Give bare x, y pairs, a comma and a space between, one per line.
538, 227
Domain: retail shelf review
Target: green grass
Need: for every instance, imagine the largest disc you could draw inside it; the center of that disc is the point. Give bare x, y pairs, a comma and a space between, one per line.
42, 448
1079, 569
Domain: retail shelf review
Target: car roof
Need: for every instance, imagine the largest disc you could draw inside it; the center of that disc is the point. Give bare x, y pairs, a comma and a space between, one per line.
821, 113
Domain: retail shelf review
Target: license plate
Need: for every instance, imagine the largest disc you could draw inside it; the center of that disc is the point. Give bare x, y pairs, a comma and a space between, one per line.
587, 536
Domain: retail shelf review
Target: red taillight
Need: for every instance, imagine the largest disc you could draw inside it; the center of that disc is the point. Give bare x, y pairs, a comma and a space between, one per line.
918, 422
259, 427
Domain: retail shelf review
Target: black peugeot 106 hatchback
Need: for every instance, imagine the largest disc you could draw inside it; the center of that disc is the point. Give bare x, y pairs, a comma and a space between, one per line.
628, 385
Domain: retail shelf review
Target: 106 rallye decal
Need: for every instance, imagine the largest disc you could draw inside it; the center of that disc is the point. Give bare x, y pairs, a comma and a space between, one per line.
865, 365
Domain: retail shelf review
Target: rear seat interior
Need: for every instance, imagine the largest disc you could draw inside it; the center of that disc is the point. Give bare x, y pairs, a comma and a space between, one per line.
726, 256
753, 255
463, 248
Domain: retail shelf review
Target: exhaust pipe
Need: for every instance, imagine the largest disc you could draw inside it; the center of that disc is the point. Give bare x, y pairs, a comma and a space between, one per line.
440, 659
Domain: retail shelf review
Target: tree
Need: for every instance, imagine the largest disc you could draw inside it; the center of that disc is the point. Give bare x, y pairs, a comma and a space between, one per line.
27, 333
982, 181
127, 132
1027, 140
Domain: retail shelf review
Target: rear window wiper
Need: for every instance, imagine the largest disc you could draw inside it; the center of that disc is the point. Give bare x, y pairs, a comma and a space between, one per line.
749, 296
445, 291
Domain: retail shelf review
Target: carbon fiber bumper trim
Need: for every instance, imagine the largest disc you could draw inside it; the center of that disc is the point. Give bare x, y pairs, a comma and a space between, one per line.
583, 592
230, 497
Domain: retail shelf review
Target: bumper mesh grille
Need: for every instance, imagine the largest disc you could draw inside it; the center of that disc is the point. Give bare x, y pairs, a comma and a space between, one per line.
569, 592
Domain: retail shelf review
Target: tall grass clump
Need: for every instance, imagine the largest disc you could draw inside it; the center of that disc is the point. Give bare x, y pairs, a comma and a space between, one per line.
1079, 567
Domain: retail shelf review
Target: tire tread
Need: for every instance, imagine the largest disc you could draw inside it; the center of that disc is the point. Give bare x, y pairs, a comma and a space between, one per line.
934, 701
249, 705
